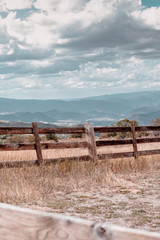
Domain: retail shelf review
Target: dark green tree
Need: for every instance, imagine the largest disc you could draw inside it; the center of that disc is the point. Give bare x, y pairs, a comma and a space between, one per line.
125, 123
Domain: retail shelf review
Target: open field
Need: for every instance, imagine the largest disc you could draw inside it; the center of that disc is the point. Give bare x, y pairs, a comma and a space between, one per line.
113, 191
57, 153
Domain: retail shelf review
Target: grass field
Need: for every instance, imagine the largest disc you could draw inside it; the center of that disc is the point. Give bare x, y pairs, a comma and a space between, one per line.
114, 190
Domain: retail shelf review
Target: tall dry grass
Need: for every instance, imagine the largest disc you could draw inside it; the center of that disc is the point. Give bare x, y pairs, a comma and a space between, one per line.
32, 185
37, 184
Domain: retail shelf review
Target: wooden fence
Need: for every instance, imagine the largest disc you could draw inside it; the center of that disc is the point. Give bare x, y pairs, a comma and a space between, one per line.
23, 224
91, 143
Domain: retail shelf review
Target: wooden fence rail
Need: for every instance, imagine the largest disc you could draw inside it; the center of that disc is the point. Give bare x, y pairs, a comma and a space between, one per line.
17, 223
91, 142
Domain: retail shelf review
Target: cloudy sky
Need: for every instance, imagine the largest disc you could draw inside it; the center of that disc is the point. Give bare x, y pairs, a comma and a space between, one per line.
77, 48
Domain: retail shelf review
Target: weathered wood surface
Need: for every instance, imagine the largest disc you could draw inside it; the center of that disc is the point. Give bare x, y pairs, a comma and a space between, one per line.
92, 150
133, 134
37, 142
147, 128
15, 130
111, 129
23, 163
125, 129
91, 142
17, 147
80, 144
69, 130
64, 130
116, 155
24, 224
29, 130
149, 152
101, 143
31, 146
62, 145
78, 158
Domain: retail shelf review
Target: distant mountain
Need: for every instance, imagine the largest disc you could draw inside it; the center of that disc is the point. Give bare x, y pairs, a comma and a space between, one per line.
133, 100
145, 118
99, 110
23, 124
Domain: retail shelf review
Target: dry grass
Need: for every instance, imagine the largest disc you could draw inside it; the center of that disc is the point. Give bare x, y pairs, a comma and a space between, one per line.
113, 190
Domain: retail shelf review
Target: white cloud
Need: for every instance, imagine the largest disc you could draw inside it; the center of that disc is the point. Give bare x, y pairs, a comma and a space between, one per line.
151, 16
6, 5
86, 45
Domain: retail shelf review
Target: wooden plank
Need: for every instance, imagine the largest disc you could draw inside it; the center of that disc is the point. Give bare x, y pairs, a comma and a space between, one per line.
27, 130
62, 145
30, 146
113, 232
17, 147
19, 223
81, 144
15, 130
116, 155
91, 142
77, 158
69, 130
61, 130
100, 143
37, 142
11, 164
111, 129
133, 134
147, 128
148, 140
149, 152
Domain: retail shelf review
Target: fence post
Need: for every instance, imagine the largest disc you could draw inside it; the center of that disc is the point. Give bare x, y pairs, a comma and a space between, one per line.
37, 142
91, 142
133, 134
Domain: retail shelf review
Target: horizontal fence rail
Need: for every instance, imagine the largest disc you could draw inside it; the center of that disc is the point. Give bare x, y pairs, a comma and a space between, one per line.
19, 223
91, 142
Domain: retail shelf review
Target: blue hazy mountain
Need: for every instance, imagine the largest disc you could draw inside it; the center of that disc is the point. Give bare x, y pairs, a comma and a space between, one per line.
99, 110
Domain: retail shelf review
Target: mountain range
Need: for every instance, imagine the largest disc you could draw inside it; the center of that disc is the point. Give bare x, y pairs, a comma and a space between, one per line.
99, 110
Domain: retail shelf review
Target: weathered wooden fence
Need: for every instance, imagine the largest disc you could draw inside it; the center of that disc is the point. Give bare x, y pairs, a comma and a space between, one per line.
24, 224
91, 143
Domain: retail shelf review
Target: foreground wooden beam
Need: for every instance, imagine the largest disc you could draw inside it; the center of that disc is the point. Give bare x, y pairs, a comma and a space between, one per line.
24, 224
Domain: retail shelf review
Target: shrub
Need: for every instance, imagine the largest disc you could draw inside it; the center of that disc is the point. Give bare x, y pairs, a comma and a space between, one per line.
125, 123
16, 139
76, 135
52, 137
156, 122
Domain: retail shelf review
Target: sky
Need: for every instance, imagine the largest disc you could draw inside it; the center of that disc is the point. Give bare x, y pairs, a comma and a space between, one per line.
62, 49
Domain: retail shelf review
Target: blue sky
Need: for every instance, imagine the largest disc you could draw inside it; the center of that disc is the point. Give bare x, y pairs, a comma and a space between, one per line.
71, 49
151, 3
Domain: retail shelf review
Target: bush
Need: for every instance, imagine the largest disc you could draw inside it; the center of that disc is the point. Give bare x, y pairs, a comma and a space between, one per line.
52, 137
76, 135
156, 122
109, 134
125, 123
31, 139
16, 139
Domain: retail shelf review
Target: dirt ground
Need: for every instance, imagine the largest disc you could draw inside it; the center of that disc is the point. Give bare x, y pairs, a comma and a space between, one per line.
113, 192
133, 201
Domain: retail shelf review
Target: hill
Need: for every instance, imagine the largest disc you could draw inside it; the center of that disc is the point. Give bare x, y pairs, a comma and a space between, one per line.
99, 110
